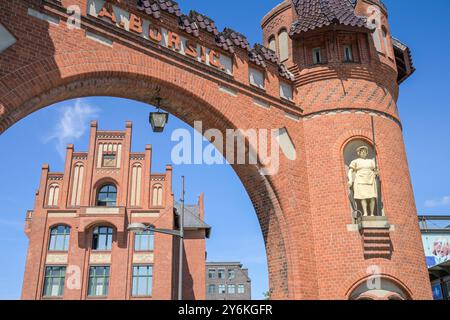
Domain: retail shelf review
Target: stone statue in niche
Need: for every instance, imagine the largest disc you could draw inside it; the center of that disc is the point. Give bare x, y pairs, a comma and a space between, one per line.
362, 179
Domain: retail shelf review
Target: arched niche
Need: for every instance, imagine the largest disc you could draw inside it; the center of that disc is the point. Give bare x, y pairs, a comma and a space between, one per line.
356, 204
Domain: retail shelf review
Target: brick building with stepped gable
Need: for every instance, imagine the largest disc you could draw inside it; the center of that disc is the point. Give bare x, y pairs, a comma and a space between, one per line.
79, 246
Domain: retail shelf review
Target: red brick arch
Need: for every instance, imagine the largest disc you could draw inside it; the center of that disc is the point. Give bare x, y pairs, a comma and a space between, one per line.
387, 274
120, 75
302, 210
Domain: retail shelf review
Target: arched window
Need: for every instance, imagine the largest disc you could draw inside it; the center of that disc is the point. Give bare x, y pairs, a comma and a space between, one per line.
136, 179
143, 241
374, 21
59, 238
157, 195
53, 194
272, 44
102, 238
107, 196
283, 45
78, 173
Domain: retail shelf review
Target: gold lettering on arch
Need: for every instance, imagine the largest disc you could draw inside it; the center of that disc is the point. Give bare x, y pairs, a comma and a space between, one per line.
131, 22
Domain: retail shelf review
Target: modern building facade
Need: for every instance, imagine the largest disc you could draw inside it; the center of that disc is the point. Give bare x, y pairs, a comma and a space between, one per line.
436, 243
79, 246
227, 281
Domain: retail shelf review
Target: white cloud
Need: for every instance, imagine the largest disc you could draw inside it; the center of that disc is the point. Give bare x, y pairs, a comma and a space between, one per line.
442, 202
6, 222
72, 125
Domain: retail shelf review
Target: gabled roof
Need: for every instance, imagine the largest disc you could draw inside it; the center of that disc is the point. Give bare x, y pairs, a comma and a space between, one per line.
314, 14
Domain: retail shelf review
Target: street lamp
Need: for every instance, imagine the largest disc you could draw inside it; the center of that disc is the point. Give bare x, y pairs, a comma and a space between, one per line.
138, 227
159, 118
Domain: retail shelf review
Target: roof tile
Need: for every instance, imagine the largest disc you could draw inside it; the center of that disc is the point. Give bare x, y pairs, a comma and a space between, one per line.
314, 14
155, 7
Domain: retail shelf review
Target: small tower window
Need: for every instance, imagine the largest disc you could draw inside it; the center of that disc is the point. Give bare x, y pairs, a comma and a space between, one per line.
317, 56
386, 42
348, 53
283, 45
272, 44
109, 160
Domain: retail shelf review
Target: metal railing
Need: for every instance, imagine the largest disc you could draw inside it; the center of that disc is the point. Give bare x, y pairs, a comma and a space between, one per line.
434, 223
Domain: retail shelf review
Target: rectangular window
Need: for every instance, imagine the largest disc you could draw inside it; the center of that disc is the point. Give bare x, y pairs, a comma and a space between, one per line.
54, 281
109, 160
211, 273
241, 288
144, 241
222, 289
231, 274
102, 238
231, 289
221, 273
211, 289
286, 91
348, 53
317, 56
447, 290
256, 78
98, 281
142, 281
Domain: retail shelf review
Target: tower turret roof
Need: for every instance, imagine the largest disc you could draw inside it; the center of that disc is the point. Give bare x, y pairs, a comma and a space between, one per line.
314, 14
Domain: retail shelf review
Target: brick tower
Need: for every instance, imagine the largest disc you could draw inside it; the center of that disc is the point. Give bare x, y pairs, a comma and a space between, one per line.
347, 70
334, 68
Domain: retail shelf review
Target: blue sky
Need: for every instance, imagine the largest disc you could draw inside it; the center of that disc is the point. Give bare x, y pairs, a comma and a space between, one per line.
41, 138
